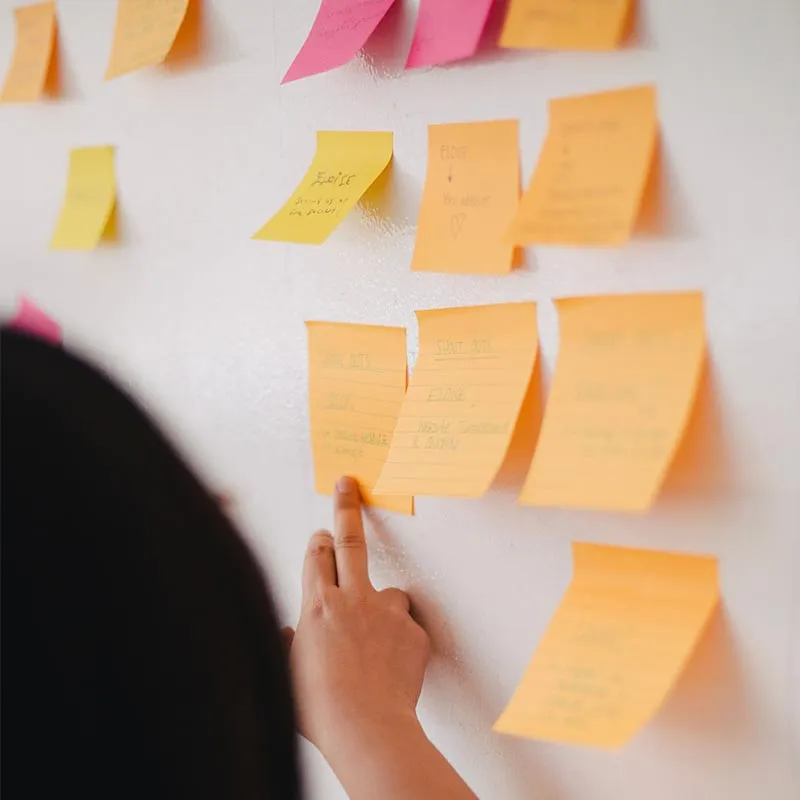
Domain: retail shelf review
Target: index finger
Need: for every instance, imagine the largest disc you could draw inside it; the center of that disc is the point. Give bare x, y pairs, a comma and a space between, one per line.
348, 536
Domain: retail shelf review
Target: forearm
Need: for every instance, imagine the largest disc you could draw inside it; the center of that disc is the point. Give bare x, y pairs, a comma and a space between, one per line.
394, 760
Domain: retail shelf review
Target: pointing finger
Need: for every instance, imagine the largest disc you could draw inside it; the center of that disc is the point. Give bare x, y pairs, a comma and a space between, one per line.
350, 544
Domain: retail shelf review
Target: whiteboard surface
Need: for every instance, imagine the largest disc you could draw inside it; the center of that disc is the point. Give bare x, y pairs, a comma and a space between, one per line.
205, 326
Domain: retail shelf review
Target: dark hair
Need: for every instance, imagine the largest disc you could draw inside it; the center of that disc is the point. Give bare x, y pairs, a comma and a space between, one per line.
140, 651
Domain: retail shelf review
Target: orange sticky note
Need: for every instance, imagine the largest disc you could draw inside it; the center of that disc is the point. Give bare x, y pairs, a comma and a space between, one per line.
356, 384
471, 193
36, 37
626, 377
588, 184
560, 25
620, 639
463, 400
144, 33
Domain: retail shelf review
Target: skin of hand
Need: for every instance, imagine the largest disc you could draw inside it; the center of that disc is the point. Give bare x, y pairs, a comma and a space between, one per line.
358, 661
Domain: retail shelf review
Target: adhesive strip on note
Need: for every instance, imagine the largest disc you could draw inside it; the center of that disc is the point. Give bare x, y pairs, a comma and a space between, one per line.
356, 384
616, 645
462, 404
625, 382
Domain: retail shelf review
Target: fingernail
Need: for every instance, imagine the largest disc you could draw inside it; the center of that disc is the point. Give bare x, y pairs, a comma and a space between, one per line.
346, 484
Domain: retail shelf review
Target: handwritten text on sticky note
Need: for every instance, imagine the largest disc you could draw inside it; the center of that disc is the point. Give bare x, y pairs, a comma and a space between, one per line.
345, 165
356, 385
86, 214
471, 194
626, 377
565, 24
588, 184
447, 30
36, 37
463, 400
144, 33
340, 30
621, 637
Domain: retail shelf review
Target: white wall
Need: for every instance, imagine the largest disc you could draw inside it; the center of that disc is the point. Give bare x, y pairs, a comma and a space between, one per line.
206, 327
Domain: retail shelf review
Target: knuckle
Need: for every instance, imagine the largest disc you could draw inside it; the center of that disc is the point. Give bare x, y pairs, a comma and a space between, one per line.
350, 539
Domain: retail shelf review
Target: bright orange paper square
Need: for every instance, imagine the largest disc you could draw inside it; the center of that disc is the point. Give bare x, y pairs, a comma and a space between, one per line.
27, 76
471, 193
356, 384
616, 645
144, 33
589, 181
626, 377
563, 25
463, 401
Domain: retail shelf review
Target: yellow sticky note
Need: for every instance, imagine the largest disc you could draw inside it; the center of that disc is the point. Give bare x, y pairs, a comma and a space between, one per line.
463, 400
627, 373
345, 165
589, 181
356, 385
144, 33
620, 639
471, 193
36, 37
560, 25
87, 213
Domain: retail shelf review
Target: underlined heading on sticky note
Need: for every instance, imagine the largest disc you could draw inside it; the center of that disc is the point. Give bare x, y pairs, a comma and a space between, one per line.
144, 33
340, 30
589, 181
447, 30
560, 25
356, 384
626, 377
88, 209
32, 320
27, 76
345, 165
471, 193
621, 637
462, 404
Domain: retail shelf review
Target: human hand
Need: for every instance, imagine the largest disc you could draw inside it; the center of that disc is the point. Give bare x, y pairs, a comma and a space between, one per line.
358, 658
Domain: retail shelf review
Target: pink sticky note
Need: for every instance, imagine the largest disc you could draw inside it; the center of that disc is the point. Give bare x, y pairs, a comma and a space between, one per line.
447, 30
34, 321
340, 30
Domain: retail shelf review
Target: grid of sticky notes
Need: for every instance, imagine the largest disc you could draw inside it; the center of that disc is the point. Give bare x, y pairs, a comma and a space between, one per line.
345, 165
463, 400
32, 66
589, 182
356, 385
616, 645
626, 378
88, 211
471, 192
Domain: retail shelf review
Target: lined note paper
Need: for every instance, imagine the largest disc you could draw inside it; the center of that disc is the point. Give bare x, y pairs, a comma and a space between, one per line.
340, 30
626, 378
87, 212
29, 318
621, 637
144, 33
447, 30
471, 193
356, 384
36, 38
463, 401
588, 184
345, 165
560, 25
